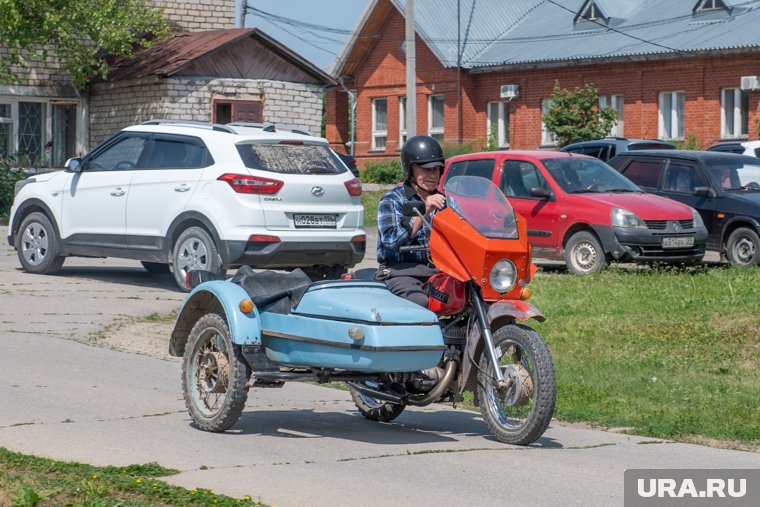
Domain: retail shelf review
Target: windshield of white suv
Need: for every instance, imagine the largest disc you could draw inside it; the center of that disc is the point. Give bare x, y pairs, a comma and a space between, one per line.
291, 158
733, 174
578, 175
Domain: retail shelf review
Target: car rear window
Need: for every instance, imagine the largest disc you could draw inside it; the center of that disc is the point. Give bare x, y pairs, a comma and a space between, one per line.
483, 168
291, 158
645, 173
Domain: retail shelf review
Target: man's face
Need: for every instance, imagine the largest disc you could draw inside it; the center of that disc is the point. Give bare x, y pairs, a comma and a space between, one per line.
426, 179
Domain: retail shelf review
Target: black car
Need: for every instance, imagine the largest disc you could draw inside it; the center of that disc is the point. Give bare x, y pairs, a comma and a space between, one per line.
606, 148
723, 187
350, 162
728, 147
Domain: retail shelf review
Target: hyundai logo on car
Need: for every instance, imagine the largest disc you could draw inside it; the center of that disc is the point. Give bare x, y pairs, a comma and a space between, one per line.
317, 191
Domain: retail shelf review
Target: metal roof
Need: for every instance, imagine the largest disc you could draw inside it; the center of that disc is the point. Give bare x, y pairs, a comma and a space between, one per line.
169, 56
496, 33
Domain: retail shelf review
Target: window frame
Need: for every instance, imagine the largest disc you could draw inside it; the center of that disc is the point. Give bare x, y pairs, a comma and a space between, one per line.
547, 138
740, 113
378, 134
502, 122
616, 102
673, 97
402, 132
436, 132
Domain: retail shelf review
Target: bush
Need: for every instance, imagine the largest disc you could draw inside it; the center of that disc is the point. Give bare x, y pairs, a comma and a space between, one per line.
690, 142
386, 171
8, 178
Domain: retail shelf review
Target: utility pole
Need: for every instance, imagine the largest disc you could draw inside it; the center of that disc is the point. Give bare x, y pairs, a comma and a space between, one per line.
411, 73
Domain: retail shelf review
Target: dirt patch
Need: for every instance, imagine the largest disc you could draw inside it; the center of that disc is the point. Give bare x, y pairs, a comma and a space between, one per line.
147, 338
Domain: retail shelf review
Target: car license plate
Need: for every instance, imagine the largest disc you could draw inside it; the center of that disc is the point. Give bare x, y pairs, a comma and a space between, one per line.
678, 242
317, 221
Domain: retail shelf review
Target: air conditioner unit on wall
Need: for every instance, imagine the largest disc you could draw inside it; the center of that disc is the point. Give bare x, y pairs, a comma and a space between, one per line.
750, 83
509, 91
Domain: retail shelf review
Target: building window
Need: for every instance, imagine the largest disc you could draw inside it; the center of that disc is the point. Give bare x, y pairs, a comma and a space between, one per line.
401, 121
615, 102
497, 125
245, 111
435, 117
734, 104
671, 115
39, 133
589, 12
379, 123
709, 5
547, 138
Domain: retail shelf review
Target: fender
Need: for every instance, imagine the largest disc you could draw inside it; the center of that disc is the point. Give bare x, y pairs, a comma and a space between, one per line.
742, 219
508, 310
35, 204
221, 297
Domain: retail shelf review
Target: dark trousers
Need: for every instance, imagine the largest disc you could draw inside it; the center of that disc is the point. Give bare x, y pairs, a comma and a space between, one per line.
409, 288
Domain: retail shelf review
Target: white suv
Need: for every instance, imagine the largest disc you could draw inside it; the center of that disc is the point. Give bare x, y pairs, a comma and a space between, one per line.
182, 196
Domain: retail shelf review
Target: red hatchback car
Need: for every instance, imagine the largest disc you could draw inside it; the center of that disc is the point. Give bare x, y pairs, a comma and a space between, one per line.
581, 210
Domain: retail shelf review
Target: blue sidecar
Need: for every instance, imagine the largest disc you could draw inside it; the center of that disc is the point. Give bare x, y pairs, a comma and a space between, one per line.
261, 329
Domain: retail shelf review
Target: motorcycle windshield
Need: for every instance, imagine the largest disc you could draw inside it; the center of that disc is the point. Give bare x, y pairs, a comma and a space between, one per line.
483, 205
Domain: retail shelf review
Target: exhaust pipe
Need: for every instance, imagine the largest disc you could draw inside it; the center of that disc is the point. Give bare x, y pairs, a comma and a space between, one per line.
388, 396
439, 389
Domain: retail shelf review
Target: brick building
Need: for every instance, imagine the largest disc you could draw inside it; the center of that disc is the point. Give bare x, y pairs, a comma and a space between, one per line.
672, 69
209, 71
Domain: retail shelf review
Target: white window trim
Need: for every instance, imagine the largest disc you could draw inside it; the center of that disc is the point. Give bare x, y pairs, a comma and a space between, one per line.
547, 138
379, 133
738, 115
47, 131
616, 102
401, 121
502, 131
435, 130
674, 125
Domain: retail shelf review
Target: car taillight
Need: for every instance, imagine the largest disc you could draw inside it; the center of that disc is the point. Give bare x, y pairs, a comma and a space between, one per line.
263, 238
246, 184
354, 187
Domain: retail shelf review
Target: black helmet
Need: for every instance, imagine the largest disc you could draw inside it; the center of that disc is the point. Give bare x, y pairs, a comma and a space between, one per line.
423, 150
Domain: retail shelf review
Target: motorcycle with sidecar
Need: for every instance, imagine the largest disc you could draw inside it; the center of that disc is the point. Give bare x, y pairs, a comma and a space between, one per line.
262, 329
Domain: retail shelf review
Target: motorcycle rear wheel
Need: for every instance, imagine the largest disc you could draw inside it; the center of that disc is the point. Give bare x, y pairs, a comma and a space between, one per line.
376, 410
214, 374
520, 414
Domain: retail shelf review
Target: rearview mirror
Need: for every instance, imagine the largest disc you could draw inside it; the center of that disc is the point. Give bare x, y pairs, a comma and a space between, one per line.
704, 191
541, 192
73, 164
412, 208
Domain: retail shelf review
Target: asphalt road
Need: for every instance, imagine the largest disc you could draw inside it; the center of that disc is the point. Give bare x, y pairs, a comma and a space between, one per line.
301, 445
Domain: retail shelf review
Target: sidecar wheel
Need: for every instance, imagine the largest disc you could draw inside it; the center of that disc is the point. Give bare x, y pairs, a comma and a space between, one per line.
214, 374
376, 410
521, 413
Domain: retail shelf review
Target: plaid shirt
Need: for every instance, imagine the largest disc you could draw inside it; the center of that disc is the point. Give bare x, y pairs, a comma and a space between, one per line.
394, 229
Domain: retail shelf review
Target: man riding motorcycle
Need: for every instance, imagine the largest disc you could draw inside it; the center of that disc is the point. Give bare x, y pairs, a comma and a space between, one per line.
405, 272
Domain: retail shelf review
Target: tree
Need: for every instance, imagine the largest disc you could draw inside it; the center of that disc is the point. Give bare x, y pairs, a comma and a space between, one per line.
576, 115
80, 33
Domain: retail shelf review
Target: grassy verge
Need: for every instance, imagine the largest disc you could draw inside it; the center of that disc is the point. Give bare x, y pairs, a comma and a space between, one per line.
370, 200
665, 353
27, 481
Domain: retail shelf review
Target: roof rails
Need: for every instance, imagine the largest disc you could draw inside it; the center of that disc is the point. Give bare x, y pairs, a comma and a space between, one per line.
189, 123
271, 127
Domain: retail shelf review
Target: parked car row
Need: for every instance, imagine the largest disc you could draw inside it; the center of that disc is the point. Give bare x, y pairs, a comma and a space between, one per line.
181, 195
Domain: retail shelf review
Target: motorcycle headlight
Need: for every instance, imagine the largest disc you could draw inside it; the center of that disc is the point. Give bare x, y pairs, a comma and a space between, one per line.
623, 218
698, 222
503, 276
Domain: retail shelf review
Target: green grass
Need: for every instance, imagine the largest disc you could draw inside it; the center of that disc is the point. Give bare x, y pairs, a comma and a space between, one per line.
664, 353
27, 481
370, 200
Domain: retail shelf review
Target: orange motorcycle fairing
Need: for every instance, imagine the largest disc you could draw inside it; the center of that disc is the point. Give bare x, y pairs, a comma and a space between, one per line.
458, 249
446, 295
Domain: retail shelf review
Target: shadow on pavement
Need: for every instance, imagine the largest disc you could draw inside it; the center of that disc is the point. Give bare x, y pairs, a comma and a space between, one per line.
125, 275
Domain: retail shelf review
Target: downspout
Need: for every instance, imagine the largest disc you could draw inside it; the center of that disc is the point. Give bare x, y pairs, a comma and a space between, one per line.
352, 111
459, 78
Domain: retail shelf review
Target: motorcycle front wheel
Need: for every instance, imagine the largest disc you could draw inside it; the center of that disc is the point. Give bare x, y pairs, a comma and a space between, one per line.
520, 413
214, 374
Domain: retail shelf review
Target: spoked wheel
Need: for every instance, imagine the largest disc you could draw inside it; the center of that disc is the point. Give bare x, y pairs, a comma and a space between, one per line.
520, 412
374, 409
214, 374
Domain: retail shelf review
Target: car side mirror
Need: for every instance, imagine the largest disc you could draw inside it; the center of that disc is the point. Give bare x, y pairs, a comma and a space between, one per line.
704, 191
541, 192
413, 208
73, 165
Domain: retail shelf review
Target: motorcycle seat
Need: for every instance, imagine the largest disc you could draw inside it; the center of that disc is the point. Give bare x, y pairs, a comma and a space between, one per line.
275, 292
